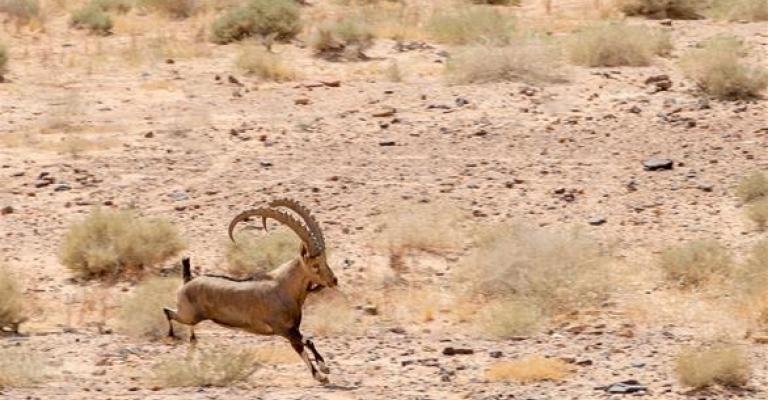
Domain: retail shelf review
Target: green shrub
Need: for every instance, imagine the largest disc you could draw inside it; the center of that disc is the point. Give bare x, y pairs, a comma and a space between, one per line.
347, 38
726, 365
613, 45
254, 255
660, 9
474, 25
117, 243
719, 70
696, 262
20, 10
92, 18
266, 18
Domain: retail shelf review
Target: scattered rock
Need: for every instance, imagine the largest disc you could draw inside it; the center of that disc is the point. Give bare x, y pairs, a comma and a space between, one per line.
624, 387
496, 354
657, 164
658, 83
6, 210
370, 309
384, 112
461, 101
635, 110
452, 351
62, 187
385, 143
596, 221
234, 80
301, 101
705, 186
177, 195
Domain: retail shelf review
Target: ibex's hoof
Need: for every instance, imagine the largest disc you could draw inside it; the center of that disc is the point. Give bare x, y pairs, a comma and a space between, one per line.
321, 378
323, 368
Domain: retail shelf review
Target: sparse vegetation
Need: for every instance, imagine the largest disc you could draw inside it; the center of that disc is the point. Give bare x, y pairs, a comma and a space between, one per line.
529, 369
114, 244
219, 366
3, 61
741, 10
508, 318
347, 38
726, 365
718, 69
474, 25
696, 262
529, 62
758, 212
172, 8
277, 19
413, 227
329, 314
20, 10
20, 368
498, 2
255, 255
92, 18
660, 9
753, 187
615, 44
141, 315
255, 60
555, 271
11, 303
119, 6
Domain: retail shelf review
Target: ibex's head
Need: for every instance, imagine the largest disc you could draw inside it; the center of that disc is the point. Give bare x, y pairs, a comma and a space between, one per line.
313, 258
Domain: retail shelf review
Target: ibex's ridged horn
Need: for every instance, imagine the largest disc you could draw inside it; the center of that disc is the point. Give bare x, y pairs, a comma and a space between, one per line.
305, 214
278, 216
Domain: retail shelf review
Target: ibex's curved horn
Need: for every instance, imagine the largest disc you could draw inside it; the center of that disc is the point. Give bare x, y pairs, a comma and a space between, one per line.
278, 216
305, 214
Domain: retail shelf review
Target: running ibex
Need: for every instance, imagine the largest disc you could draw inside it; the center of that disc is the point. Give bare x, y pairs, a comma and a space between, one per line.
269, 304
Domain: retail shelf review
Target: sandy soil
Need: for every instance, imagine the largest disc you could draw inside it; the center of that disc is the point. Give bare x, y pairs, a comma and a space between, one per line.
182, 141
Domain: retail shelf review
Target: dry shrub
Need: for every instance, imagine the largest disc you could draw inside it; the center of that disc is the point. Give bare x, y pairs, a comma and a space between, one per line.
110, 243
529, 369
509, 318
274, 19
251, 255
529, 62
753, 187
173, 8
3, 61
497, 2
20, 368
473, 25
330, 313
758, 212
751, 284
726, 365
696, 263
660, 9
119, 6
556, 270
11, 302
269, 66
718, 69
424, 227
21, 10
141, 315
741, 10
615, 44
92, 18
219, 366
347, 38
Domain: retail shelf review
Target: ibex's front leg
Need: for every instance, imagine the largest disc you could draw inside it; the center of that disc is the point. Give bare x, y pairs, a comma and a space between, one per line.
318, 358
297, 342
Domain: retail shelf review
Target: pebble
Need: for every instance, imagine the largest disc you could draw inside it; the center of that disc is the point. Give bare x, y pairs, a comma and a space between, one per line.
657, 164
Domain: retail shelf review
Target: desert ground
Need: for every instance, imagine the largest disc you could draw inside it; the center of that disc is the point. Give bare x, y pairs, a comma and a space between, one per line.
157, 118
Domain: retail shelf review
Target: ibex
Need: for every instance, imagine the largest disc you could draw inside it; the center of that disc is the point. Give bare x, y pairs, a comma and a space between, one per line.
269, 304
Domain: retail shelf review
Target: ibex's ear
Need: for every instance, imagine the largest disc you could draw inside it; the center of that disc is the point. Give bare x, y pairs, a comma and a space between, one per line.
304, 251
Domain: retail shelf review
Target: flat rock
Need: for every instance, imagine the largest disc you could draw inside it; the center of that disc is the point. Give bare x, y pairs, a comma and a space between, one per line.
657, 164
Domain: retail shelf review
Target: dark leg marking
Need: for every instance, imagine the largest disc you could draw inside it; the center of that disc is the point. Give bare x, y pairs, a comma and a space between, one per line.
169, 315
297, 342
318, 358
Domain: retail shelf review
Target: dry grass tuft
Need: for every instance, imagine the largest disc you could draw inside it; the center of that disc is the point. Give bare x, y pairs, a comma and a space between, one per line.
497, 2
661, 9
554, 270
141, 315
741, 10
178, 9
111, 243
696, 263
473, 25
751, 284
508, 318
718, 69
272, 19
92, 18
11, 302
529, 62
330, 313
220, 366
260, 254
614, 44
345, 39
3, 61
119, 6
529, 369
423, 227
753, 187
22, 11
758, 212
255, 60
726, 365
20, 368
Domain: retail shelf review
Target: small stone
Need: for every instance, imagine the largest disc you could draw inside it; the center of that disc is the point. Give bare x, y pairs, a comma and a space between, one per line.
178, 195
635, 110
333, 83
301, 101
265, 163
62, 187
657, 164
387, 143
596, 221
705, 186
397, 329
461, 101
384, 112
452, 351
496, 354
42, 183
370, 309
149, 135
234, 80
6, 210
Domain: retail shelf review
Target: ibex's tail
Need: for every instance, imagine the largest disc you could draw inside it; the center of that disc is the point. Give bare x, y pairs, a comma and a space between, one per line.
186, 270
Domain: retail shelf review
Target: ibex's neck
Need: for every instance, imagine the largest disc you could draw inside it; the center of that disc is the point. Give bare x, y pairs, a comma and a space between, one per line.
292, 279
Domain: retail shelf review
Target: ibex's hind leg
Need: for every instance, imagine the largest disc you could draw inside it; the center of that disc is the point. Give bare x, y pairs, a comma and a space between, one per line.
170, 315
294, 336
318, 358
180, 317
